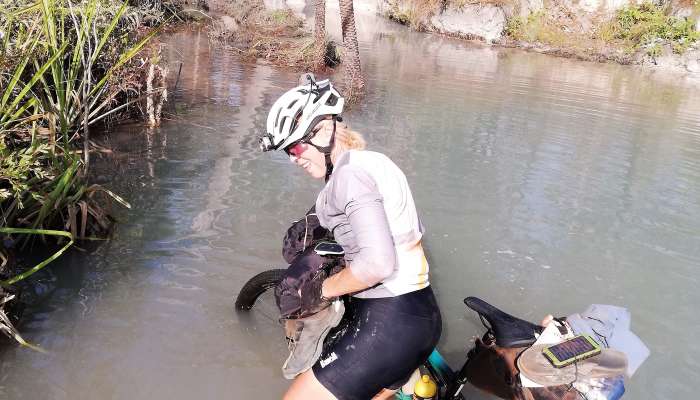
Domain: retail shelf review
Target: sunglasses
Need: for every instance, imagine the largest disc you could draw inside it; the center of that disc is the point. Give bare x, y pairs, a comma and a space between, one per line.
295, 149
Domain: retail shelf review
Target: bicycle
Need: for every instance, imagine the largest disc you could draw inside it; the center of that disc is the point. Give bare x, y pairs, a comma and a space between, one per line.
502, 328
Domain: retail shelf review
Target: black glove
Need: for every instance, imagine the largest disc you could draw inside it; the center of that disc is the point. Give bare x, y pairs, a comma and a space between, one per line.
311, 294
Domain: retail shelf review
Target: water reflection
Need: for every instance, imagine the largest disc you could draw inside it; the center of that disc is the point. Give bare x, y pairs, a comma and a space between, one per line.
545, 184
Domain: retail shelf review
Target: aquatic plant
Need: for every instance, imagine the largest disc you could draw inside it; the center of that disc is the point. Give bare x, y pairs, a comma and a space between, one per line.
65, 65
6, 325
65, 53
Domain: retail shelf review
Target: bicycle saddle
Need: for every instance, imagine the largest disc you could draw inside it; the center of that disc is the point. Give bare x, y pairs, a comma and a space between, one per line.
508, 330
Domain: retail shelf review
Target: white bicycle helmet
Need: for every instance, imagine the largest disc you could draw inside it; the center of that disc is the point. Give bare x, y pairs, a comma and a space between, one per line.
296, 112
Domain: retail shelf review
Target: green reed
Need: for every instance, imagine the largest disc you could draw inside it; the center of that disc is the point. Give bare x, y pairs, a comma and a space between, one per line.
59, 60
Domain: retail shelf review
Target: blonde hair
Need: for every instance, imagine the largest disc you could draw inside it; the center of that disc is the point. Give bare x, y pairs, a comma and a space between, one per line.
346, 139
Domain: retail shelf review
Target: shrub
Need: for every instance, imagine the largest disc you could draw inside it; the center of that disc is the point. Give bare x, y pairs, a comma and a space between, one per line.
537, 27
646, 25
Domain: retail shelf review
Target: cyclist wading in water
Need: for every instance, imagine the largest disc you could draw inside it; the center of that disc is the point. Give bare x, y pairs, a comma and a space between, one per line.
367, 205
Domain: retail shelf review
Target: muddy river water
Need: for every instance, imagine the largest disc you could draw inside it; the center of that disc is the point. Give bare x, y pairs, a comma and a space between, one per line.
545, 185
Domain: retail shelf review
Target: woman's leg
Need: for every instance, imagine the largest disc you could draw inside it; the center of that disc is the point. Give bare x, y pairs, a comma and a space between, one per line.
306, 386
385, 341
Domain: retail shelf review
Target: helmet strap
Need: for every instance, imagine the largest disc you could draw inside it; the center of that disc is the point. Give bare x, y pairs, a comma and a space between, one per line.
329, 163
327, 150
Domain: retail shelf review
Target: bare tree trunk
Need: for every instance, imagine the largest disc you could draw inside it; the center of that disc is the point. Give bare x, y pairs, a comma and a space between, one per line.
354, 80
320, 35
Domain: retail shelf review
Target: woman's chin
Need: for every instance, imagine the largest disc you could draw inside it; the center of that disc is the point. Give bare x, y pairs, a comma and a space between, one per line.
317, 173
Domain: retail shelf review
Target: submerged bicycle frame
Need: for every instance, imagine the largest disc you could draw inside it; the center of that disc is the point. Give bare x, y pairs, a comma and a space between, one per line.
445, 377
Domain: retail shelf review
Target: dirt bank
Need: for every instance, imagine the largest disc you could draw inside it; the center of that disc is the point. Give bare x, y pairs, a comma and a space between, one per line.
662, 35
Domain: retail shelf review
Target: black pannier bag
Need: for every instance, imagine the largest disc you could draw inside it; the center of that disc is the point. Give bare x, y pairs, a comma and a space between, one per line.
302, 234
305, 266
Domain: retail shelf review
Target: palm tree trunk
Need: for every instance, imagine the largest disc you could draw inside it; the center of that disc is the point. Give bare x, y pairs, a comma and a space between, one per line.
320, 35
354, 80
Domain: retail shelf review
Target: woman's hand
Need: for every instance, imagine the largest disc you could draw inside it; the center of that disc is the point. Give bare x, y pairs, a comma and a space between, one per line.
311, 294
546, 320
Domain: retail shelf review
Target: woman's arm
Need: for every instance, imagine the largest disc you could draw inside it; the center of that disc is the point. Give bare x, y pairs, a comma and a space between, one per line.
356, 193
343, 282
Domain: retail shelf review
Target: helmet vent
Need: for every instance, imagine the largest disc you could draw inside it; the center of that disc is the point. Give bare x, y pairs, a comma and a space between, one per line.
332, 100
277, 118
284, 121
295, 121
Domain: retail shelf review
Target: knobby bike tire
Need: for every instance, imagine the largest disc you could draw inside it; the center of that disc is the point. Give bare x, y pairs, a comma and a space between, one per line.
256, 286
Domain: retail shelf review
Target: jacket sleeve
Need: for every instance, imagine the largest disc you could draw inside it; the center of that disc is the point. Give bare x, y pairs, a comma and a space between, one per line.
356, 193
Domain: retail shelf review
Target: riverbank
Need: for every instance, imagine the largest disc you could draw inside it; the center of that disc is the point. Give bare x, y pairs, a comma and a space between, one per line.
545, 184
275, 34
68, 71
662, 35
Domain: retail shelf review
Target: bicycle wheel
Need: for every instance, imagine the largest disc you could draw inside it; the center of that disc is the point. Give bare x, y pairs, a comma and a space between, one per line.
256, 286
258, 319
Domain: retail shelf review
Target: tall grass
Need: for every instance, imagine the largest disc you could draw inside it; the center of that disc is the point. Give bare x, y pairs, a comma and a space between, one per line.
66, 53
62, 66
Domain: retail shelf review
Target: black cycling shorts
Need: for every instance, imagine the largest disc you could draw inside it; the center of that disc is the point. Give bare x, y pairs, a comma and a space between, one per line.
385, 340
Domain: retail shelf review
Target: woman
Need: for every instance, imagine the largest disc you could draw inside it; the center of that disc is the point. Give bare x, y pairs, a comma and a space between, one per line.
368, 207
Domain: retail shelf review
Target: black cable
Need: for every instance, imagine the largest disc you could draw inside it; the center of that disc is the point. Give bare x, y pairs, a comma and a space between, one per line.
571, 384
600, 336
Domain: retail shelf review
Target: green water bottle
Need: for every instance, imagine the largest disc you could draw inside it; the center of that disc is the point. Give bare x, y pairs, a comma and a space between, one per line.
425, 389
